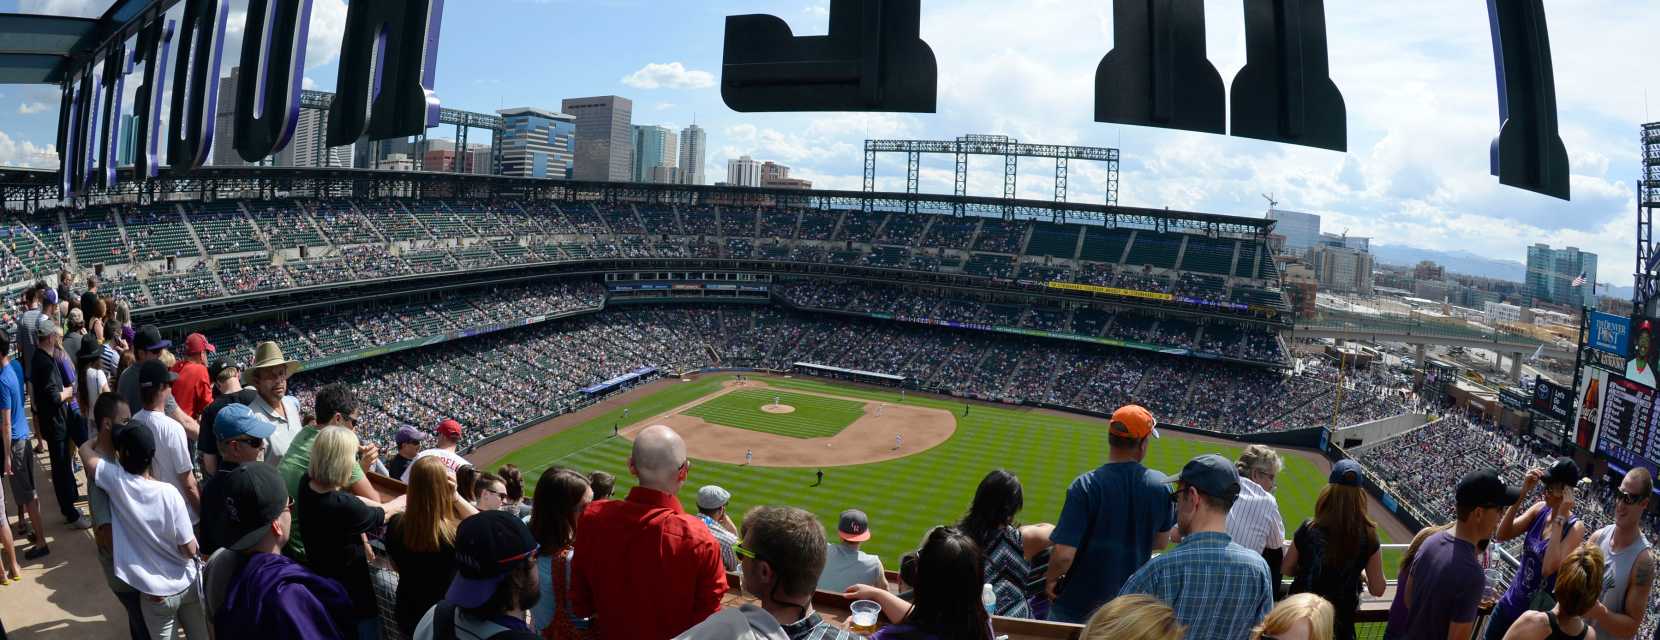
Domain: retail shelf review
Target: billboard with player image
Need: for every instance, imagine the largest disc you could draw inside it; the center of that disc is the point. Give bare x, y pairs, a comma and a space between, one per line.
1639, 368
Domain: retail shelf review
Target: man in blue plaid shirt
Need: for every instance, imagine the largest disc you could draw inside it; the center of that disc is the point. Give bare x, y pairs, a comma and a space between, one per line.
1219, 589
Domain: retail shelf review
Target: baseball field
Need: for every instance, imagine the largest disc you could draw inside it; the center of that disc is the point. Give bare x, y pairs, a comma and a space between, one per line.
791, 428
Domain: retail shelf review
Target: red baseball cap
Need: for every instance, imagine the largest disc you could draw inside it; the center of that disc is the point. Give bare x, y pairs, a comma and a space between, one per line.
449, 428
197, 343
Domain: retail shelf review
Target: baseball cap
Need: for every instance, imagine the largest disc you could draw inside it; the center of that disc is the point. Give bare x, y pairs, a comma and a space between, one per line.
407, 434
854, 526
217, 366
1211, 474
712, 497
51, 296
237, 420
128, 334
255, 497
154, 374
46, 326
89, 350
197, 343
1133, 421
487, 547
449, 428
1563, 471
135, 443
1484, 488
149, 338
1346, 472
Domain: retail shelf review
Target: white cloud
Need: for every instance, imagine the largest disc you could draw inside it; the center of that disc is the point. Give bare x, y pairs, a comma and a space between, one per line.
820, 10
31, 108
308, 84
663, 106
22, 153
77, 8
328, 24
673, 75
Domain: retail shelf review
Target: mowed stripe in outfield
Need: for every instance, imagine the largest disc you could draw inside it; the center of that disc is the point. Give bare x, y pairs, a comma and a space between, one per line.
814, 416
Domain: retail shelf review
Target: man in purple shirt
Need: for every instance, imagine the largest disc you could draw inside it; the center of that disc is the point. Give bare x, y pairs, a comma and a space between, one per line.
1445, 585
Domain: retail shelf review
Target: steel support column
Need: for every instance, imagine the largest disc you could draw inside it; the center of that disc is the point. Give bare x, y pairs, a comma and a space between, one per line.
961, 185
1060, 179
913, 166
870, 173
1011, 164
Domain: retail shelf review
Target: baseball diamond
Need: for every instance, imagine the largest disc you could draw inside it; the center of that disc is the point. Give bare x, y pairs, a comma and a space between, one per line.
814, 416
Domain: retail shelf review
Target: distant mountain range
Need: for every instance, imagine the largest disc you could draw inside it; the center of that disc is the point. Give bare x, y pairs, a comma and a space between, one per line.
1454, 261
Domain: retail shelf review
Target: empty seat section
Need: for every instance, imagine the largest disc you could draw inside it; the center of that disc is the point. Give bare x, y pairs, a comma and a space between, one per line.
1155, 249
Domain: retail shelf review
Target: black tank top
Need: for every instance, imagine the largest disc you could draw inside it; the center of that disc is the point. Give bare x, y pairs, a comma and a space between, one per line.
1556, 632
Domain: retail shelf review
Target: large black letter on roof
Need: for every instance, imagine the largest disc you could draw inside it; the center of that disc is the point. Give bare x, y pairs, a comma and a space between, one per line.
1528, 151
1156, 74
196, 83
154, 44
873, 60
268, 95
1285, 93
402, 102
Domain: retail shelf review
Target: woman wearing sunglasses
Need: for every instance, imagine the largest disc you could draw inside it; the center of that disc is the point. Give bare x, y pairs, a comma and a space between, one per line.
1304, 616
1549, 532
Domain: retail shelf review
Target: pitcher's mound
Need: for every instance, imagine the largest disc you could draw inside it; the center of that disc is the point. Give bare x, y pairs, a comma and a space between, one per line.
777, 408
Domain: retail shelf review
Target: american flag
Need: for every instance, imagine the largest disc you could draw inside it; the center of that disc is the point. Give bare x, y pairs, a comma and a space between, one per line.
1579, 281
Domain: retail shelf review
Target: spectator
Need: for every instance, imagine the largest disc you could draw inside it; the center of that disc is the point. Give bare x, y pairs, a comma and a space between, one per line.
409, 441
269, 376
514, 482
227, 390
782, 552
241, 441
421, 540
1397, 606
603, 483
172, 461
109, 412
149, 345
1551, 531
1304, 616
51, 405
27, 322
711, 509
449, 436
1134, 617
74, 331
155, 549
194, 390
1446, 581
845, 564
340, 521
1630, 564
946, 596
1579, 581
562, 495
646, 549
1111, 522
1005, 546
466, 481
495, 582
1218, 589
20, 458
257, 592
92, 306
491, 493
336, 407
1330, 551
93, 381
1255, 521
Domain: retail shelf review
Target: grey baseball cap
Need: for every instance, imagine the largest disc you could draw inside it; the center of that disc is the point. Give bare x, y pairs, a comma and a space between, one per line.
1211, 474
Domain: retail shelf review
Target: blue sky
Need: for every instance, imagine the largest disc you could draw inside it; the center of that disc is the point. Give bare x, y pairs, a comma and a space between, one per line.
1417, 77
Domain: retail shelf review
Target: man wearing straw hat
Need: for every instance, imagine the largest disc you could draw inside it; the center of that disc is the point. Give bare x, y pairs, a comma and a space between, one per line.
268, 374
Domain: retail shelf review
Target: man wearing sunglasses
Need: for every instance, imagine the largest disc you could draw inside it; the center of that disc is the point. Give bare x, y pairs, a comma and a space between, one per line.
781, 555
1619, 612
241, 437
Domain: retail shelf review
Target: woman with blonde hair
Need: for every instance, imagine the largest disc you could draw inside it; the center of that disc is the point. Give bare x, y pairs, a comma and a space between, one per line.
1134, 617
337, 523
1330, 552
1578, 585
1304, 616
421, 540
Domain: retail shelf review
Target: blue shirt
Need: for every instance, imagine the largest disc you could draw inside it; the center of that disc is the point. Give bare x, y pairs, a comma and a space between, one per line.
11, 397
1129, 505
1219, 589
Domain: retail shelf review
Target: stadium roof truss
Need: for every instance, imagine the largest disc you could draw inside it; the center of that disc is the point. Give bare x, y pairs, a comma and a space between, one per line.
989, 145
464, 122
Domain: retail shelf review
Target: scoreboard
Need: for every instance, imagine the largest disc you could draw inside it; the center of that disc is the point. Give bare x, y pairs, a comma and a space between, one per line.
1629, 424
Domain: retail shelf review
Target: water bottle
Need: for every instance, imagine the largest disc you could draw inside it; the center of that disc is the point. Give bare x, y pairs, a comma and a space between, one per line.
988, 598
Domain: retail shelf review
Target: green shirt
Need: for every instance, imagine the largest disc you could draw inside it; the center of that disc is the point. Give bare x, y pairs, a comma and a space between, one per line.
294, 466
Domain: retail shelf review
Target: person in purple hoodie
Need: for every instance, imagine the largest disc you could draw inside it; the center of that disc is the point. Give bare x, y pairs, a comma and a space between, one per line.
266, 595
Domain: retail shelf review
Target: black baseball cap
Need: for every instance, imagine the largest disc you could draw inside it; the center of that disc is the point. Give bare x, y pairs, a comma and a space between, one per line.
1485, 488
487, 547
154, 374
149, 339
1211, 474
135, 444
1562, 472
255, 497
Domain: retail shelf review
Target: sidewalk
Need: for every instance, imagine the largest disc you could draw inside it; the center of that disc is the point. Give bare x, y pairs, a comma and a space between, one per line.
62, 595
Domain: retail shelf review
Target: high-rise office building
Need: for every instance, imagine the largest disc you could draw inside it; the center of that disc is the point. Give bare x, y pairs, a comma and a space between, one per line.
129, 138
693, 142
604, 138
1342, 268
654, 146
777, 176
537, 143
743, 172
1301, 230
1551, 273
224, 123
309, 147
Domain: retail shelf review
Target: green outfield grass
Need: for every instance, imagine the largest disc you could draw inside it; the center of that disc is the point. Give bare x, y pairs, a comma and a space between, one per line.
907, 496
814, 416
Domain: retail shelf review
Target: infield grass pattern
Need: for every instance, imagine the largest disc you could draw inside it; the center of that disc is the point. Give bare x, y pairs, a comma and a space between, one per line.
814, 416
906, 497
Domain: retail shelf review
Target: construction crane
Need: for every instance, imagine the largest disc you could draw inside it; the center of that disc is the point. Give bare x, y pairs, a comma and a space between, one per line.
1271, 201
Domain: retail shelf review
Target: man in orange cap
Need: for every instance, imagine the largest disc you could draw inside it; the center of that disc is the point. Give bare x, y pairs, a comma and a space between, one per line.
1114, 517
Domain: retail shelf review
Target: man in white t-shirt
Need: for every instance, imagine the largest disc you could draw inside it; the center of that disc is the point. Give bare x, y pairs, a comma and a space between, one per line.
268, 375
172, 459
449, 436
155, 548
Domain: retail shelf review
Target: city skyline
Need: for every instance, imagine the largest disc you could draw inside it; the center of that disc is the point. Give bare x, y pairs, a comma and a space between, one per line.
1421, 110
